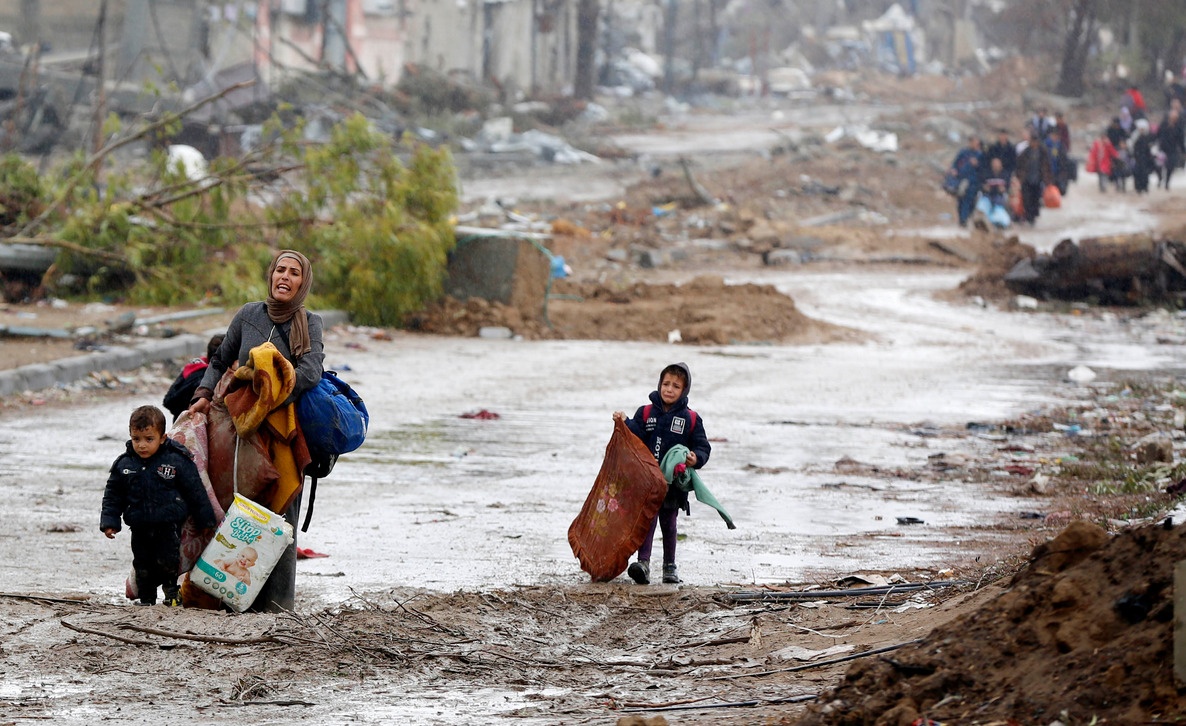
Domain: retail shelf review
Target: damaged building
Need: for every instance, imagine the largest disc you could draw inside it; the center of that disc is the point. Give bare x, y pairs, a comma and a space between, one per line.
59, 49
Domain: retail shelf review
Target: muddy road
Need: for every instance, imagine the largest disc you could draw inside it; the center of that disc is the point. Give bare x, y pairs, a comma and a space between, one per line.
439, 501
449, 594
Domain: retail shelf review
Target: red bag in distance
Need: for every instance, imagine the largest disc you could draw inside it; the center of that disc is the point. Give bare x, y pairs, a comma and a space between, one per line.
1016, 205
618, 512
1051, 198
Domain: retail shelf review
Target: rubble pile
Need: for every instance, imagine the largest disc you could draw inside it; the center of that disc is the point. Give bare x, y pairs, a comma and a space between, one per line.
1083, 634
1119, 270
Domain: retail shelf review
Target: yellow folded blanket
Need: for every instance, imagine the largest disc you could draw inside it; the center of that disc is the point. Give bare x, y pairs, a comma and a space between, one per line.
269, 379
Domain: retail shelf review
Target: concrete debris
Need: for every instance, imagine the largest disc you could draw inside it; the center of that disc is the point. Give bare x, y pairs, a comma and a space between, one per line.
1121, 270
1153, 449
496, 138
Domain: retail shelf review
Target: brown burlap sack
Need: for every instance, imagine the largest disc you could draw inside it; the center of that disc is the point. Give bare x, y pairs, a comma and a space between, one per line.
619, 509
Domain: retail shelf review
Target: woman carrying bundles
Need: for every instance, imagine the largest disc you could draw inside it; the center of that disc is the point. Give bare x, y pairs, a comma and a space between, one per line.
282, 321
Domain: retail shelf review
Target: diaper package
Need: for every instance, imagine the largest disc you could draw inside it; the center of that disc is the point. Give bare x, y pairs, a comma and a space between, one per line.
245, 549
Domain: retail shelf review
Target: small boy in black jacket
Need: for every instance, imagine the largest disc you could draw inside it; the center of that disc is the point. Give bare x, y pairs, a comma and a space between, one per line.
663, 423
154, 485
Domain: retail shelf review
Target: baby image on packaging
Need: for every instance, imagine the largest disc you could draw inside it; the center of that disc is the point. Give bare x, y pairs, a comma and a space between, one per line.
240, 565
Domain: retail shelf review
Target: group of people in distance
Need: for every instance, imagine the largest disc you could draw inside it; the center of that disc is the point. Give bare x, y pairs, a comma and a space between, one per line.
1131, 147
1010, 181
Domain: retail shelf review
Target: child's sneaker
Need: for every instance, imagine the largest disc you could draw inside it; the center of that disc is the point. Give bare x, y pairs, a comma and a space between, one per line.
173, 598
146, 603
640, 572
670, 574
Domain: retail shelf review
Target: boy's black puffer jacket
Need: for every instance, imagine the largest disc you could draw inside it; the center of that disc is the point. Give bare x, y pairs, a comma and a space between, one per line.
163, 489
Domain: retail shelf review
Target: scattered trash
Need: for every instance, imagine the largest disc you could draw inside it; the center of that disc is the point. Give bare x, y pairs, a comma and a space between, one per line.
862, 580
1069, 430
1133, 607
1025, 302
63, 527
495, 331
910, 520
305, 553
795, 652
1081, 374
482, 415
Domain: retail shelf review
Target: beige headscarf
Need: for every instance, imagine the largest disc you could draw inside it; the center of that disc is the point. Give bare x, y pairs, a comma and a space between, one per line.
294, 310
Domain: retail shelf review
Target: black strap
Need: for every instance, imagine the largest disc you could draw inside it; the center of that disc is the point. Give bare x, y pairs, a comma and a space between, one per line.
312, 498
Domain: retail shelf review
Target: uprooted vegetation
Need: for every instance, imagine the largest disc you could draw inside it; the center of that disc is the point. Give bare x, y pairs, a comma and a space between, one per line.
372, 213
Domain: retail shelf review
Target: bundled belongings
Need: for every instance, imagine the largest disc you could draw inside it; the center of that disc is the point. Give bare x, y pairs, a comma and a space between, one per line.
620, 507
688, 479
333, 417
257, 456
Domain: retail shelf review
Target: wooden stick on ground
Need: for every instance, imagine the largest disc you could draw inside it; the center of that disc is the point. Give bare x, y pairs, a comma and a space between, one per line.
200, 638
113, 636
731, 704
41, 598
820, 664
266, 703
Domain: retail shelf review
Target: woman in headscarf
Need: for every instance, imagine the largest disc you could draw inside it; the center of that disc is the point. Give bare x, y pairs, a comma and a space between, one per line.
281, 320
296, 333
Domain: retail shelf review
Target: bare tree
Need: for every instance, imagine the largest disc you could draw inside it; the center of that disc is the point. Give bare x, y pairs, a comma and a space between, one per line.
588, 12
1081, 29
670, 17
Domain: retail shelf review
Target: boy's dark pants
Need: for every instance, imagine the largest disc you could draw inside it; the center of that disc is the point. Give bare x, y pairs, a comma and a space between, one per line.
156, 558
666, 522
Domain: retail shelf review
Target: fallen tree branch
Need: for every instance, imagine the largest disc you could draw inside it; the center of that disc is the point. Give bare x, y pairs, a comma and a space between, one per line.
42, 598
97, 158
717, 641
72, 246
113, 636
668, 704
266, 703
852, 592
200, 638
698, 188
820, 664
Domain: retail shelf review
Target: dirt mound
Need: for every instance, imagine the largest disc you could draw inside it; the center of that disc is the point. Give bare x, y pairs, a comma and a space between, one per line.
704, 310
988, 281
1085, 632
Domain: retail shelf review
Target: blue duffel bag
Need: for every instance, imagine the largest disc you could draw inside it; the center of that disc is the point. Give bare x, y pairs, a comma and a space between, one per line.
333, 417
334, 421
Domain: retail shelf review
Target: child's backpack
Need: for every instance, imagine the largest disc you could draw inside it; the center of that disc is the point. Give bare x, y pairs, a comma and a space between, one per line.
334, 421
